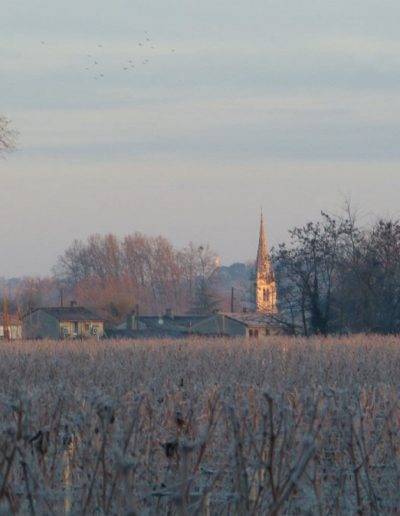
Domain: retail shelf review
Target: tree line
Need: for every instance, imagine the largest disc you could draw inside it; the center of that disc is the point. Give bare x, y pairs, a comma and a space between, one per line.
336, 276
113, 275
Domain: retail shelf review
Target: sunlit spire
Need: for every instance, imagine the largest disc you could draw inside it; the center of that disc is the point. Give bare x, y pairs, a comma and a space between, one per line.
265, 287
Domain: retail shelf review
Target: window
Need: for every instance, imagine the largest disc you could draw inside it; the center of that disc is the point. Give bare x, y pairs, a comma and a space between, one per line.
253, 333
250, 333
256, 334
266, 295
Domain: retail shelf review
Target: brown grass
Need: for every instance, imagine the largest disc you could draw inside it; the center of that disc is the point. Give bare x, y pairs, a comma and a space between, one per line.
201, 427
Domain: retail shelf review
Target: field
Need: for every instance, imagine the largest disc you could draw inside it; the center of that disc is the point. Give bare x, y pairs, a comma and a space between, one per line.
281, 426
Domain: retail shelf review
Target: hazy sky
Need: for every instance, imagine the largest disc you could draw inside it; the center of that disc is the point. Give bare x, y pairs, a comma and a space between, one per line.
292, 105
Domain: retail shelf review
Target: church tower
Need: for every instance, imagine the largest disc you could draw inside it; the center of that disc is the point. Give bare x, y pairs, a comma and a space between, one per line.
264, 286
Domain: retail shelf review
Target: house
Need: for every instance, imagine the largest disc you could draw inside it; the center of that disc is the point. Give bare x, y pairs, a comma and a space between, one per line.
246, 324
12, 329
62, 322
179, 326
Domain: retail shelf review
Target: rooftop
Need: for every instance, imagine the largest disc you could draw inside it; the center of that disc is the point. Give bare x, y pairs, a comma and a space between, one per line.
70, 313
166, 323
250, 318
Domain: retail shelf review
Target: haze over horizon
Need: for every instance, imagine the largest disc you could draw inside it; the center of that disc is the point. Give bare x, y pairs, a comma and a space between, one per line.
184, 118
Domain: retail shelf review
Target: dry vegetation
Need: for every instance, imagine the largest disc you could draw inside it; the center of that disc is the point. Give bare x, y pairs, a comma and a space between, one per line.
201, 427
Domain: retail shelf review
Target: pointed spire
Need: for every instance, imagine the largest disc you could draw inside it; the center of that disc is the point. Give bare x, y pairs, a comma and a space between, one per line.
262, 264
264, 287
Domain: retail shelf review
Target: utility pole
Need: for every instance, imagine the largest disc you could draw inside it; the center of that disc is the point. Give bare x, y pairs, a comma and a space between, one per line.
232, 299
6, 319
137, 326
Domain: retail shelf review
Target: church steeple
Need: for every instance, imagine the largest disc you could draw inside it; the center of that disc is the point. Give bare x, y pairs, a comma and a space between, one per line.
262, 264
265, 286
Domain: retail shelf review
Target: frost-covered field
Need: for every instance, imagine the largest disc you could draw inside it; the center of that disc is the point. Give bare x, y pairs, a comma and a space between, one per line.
201, 427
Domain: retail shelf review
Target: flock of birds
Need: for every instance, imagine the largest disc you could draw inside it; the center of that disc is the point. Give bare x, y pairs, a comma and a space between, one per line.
95, 63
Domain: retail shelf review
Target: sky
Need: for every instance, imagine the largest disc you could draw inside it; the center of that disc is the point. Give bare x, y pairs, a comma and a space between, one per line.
184, 118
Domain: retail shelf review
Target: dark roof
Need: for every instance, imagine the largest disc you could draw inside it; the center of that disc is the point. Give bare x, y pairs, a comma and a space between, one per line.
176, 324
70, 313
250, 318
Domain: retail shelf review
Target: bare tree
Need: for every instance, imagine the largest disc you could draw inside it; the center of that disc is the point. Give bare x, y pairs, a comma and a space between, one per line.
369, 287
7, 135
335, 276
31, 293
111, 275
205, 299
309, 265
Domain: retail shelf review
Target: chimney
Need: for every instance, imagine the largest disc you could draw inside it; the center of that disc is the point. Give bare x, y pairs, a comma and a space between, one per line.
132, 319
129, 321
137, 318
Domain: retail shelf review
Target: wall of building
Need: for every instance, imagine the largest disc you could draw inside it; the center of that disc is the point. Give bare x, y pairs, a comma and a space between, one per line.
258, 331
265, 295
68, 329
219, 324
234, 328
15, 331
